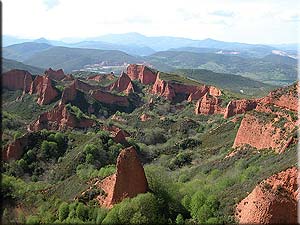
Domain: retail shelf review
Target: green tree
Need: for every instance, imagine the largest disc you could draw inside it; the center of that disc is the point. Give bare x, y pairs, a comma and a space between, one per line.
81, 212
63, 211
179, 219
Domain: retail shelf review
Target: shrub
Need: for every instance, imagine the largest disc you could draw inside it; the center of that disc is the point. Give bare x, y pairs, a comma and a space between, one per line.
49, 149
63, 211
81, 212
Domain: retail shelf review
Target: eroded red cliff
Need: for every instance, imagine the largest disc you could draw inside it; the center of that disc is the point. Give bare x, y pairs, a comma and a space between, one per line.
55, 74
128, 182
43, 87
15, 149
209, 104
273, 201
123, 84
239, 107
59, 118
142, 73
17, 80
108, 98
264, 129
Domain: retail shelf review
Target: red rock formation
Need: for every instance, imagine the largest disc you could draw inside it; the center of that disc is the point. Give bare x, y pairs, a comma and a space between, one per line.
239, 107
196, 95
142, 73
55, 75
59, 118
119, 136
260, 133
145, 117
286, 97
123, 84
15, 149
209, 105
213, 91
170, 89
159, 88
68, 77
42, 86
80, 85
69, 93
17, 80
128, 182
108, 98
273, 201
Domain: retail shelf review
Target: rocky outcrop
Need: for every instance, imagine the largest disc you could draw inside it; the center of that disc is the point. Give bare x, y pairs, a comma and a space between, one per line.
274, 200
123, 84
108, 98
128, 182
59, 118
119, 136
17, 80
171, 89
42, 86
209, 105
55, 74
286, 97
264, 129
69, 94
145, 117
239, 107
80, 85
15, 149
142, 73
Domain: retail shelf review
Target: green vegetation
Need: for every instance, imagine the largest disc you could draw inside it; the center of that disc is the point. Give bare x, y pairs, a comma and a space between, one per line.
234, 83
9, 64
190, 179
271, 69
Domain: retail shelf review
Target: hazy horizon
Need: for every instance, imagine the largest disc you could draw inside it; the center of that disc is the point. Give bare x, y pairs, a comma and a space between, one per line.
245, 21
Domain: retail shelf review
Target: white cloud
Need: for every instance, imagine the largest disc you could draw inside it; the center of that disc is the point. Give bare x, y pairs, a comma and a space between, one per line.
253, 21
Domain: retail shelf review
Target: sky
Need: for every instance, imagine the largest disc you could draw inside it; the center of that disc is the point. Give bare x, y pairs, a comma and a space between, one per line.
249, 21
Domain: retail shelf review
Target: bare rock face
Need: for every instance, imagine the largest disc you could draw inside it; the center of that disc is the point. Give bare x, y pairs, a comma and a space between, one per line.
119, 136
80, 85
15, 149
145, 117
162, 88
239, 107
69, 93
260, 133
209, 105
42, 86
142, 73
128, 182
274, 200
17, 80
58, 119
108, 98
170, 90
55, 74
285, 97
123, 84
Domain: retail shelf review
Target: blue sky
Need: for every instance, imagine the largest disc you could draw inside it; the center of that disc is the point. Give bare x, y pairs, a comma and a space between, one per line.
251, 21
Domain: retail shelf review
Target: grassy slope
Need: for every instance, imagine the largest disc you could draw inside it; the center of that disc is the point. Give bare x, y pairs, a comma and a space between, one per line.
230, 82
76, 58
8, 64
269, 69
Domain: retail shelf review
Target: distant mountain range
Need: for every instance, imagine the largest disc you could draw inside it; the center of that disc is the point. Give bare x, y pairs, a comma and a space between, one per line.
138, 44
259, 62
